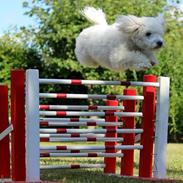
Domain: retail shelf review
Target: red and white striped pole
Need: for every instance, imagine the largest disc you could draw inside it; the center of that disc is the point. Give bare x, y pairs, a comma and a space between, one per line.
110, 162
18, 121
4, 143
127, 162
147, 138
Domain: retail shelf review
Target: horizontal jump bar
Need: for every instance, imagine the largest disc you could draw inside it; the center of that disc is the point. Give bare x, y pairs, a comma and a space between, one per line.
47, 123
62, 130
76, 113
80, 139
74, 166
79, 107
72, 151
73, 119
96, 82
72, 135
118, 147
89, 96
81, 155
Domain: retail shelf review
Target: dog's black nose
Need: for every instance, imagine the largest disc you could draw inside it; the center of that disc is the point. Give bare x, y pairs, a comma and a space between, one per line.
160, 44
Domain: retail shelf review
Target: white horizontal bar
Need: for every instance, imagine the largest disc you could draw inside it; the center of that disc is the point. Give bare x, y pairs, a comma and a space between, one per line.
140, 83
118, 147
85, 155
90, 96
124, 131
70, 135
97, 82
70, 166
47, 130
84, 124
75, 113
70, 151
73, 119
84, 139
82, 107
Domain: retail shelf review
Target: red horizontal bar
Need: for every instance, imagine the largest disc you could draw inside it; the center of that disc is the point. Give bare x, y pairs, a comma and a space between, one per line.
91, 123
44, 155
61, 130
44, 123
44, 139
111, 97
76, 82
44, 107
75, 151
61, 95
61, 113
61, 147
91, 139
75, 166
74, 119
126, 83
75, 135
92, 155
92, 107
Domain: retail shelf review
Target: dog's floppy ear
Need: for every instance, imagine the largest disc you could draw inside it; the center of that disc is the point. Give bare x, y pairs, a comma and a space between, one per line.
161, 19
128, 24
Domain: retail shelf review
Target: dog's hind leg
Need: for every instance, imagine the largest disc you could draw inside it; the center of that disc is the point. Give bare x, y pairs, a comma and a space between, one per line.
85, 59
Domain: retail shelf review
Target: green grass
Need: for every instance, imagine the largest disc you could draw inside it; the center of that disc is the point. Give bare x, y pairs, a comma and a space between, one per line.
175, 161
174, 169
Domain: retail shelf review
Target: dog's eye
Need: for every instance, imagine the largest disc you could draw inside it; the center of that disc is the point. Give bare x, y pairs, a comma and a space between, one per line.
148, 34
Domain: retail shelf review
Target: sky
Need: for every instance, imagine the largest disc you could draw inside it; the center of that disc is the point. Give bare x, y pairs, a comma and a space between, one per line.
12, 14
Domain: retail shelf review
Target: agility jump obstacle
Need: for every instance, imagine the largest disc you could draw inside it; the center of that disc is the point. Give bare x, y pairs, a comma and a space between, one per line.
34, 122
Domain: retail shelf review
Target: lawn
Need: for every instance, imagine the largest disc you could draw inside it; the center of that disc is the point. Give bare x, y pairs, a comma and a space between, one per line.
174, 169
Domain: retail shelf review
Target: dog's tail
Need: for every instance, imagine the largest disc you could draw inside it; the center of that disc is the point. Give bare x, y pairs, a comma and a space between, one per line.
95, 16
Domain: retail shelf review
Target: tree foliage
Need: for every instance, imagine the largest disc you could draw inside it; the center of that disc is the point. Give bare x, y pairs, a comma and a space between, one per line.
15, 55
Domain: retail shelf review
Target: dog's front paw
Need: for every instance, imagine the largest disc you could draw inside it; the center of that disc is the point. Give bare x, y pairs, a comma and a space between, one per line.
153, 62
142, 66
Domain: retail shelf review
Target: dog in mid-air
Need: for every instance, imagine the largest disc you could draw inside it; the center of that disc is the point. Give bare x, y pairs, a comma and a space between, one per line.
127, 44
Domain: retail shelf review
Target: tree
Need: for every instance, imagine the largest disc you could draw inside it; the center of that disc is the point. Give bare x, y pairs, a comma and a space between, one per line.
59, 23
16, 55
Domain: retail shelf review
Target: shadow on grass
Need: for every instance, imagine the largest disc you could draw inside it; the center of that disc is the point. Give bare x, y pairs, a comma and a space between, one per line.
85, 176
90, 175
81, 176
177, 174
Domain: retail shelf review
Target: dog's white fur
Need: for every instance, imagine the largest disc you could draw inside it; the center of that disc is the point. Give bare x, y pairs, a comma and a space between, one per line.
127, 44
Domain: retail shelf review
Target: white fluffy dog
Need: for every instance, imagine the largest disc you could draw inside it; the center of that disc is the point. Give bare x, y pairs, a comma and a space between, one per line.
127, 44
